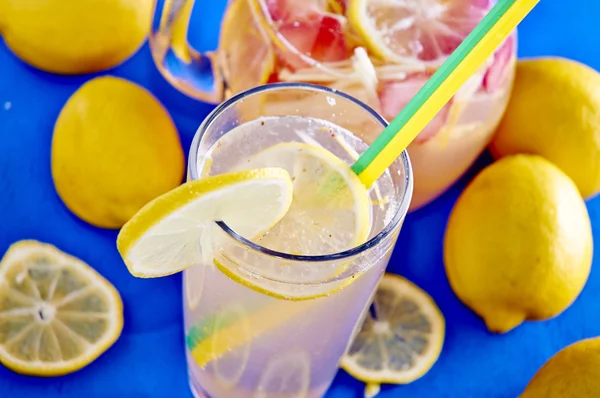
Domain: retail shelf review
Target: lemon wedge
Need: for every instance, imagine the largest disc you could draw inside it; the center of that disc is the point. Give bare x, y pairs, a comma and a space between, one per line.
57, 314
174, 231
401, 341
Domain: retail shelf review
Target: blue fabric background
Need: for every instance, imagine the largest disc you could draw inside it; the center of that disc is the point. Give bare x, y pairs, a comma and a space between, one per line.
148, 360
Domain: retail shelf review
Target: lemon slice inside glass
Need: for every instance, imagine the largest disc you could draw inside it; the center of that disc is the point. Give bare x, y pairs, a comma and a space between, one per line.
174, 231
245, 54
230, 367
57, 314
286, 375
331, 209
401, 340
233, 330
415, 31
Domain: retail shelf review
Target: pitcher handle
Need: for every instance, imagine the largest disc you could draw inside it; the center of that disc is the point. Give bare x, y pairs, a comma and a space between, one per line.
195, 74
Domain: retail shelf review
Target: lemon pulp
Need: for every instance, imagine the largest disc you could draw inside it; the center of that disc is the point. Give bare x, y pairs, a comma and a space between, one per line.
402, 340
56, 313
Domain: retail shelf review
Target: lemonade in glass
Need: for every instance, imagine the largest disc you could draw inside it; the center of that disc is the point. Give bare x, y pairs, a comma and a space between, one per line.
271, 315
379, 51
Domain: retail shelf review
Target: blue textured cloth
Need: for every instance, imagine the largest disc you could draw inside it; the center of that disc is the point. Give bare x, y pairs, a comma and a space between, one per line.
148, 360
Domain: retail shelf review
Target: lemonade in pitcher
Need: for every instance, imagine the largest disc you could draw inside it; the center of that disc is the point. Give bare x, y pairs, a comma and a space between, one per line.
379, 51
272, 316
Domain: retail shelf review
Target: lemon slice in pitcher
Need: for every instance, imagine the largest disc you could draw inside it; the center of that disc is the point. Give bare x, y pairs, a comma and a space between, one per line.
56, 313
409, 31
174, 231
401, 341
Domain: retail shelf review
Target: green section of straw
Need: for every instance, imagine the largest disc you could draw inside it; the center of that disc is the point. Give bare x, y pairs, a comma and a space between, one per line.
432, 84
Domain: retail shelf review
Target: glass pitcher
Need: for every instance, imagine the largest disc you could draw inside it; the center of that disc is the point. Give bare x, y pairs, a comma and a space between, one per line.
379, 52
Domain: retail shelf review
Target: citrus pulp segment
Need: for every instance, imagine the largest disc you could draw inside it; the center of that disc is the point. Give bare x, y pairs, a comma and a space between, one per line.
174, 231
56, 313
402, 340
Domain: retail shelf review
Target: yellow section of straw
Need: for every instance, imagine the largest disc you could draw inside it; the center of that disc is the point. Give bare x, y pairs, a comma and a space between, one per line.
484, 49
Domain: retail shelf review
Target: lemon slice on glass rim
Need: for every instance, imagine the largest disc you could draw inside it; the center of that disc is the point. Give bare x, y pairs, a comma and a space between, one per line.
320, 220
400, 341
174, 231
57, 314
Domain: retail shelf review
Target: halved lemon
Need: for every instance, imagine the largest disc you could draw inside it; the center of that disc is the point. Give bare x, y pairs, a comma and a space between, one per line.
331, 210
174, 231
57, 314
415, 31
401, 340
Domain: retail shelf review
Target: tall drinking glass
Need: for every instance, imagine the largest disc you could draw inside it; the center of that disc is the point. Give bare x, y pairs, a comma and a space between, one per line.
264, 323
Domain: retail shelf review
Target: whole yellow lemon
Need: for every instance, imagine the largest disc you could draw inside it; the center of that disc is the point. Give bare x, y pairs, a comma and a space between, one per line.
571, 373
114, 149
75, 36
518, 243
554, 112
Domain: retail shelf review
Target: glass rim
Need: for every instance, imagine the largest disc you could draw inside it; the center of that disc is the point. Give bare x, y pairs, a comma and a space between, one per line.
374, 241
